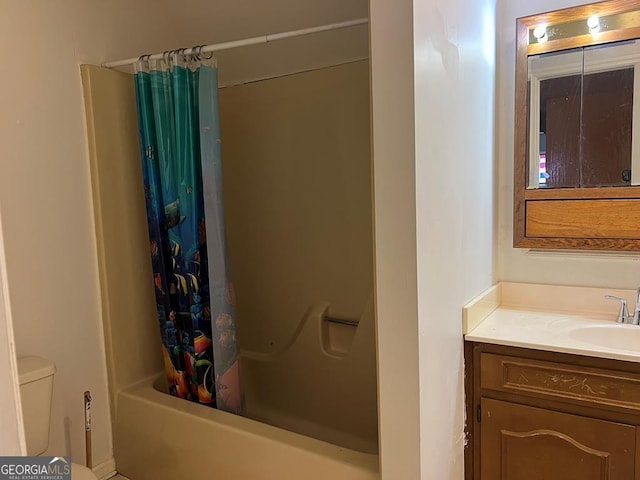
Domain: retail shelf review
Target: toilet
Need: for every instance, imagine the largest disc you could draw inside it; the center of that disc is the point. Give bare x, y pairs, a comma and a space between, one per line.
36, 390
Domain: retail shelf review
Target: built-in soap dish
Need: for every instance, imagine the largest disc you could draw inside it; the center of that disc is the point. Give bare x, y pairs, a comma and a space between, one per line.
338, 334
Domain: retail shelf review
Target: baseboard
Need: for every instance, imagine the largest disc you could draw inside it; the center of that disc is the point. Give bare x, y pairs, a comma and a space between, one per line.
106, 469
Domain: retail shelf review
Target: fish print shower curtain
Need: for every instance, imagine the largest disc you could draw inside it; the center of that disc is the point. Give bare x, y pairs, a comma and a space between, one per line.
177, 102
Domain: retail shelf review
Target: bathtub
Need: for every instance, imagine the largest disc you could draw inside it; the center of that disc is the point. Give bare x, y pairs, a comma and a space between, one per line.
320, 389
311, 406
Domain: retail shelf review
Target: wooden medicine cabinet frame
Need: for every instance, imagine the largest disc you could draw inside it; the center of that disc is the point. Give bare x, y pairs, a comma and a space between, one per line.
593, 218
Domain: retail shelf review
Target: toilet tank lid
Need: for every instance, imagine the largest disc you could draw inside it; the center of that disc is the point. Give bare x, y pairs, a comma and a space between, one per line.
31, 369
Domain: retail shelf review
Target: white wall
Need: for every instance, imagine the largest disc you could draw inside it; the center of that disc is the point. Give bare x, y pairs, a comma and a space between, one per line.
45, 192
433, 122
519, 265
395, 237
454, 88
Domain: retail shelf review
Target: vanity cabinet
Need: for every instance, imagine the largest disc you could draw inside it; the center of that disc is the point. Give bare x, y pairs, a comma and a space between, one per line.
535, 415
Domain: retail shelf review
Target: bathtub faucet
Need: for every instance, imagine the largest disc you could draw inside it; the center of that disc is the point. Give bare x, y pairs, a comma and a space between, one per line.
623, 313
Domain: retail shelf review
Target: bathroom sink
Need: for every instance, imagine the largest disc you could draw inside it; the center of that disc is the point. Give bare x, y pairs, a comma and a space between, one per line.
618, 337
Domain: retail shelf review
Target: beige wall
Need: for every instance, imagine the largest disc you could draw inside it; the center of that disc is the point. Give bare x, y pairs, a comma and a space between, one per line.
520, 265
297, 173
11, 432
45, 193
205, 21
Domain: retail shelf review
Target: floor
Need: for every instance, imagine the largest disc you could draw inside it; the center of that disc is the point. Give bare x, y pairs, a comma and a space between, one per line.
119, 477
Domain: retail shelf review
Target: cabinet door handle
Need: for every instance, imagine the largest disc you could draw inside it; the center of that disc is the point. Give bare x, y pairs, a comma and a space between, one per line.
479, 413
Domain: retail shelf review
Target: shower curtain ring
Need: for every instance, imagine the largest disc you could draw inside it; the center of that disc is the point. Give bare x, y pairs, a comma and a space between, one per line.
174, 56
209, 57
196, 51
165, 56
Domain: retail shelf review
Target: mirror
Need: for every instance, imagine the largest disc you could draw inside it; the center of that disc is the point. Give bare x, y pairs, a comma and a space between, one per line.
581, 110
577, 128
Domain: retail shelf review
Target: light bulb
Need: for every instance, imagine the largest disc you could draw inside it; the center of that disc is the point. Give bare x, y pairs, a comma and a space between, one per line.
593, 22
540, 32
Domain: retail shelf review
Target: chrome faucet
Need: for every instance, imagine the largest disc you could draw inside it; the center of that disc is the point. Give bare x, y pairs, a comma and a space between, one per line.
623, 313
636, 313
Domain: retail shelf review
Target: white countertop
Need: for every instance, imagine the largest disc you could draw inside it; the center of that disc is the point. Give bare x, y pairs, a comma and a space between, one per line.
560, 332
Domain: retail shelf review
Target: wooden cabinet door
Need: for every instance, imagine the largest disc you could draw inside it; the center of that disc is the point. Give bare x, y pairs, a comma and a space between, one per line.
527, 443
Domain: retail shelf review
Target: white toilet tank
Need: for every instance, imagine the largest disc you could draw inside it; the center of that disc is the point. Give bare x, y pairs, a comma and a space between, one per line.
36, 391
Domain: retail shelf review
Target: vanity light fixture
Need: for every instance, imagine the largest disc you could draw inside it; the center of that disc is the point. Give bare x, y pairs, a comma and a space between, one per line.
593, 22
540, 32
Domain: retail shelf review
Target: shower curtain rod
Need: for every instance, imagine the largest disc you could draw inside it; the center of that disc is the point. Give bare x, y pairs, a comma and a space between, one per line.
248, 41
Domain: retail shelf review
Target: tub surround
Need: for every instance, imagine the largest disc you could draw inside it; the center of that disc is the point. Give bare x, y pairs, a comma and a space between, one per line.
159, 437
554, 318
309, 134
339, 405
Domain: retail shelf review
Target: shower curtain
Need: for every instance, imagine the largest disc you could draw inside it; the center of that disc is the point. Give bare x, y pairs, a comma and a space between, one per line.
177, 102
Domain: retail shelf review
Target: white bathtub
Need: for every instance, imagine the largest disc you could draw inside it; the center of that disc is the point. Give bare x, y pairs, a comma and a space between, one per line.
309, 387
159, 437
